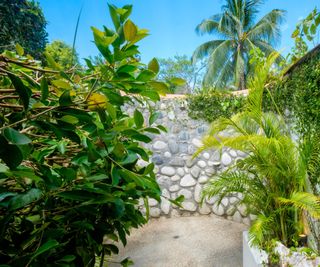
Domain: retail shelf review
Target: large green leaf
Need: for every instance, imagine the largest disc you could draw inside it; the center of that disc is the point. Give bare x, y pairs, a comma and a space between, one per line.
130, 158
152, 130
130, 30
6, 194
70, 119
153, 117
102, 42
146, 75
10, 154
22, 200
138, 118
154, 96
81, 115
24, 172
46, 247
16, 138
21, 89
65, 99
111, 110
114, 16
127, 69
142, 138
154, 65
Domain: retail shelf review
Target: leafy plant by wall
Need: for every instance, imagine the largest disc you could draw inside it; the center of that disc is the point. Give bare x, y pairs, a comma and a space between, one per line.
210, 106
69, 179
273, 177
23, 22
301, 91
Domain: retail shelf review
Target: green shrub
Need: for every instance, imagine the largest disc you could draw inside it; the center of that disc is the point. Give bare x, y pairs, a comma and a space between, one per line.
210, 106
69, 179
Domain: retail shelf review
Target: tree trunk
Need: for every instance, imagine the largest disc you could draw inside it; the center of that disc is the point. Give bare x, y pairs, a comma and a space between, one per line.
242, 82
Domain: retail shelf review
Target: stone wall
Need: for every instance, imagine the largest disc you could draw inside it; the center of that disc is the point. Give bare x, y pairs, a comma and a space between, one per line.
179, 174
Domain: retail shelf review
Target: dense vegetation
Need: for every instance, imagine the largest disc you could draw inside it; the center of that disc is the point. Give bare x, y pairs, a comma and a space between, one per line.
22, 22
213, 105
298, 92
69, 179
273, 178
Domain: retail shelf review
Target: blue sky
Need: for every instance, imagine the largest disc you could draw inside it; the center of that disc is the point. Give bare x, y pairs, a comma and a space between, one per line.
171, 22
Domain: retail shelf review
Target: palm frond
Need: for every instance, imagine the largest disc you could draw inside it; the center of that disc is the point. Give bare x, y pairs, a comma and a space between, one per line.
250, 11
217, 61
223, 76
303, 201
268, 28
309, 150
230, 182
260, 228
256, 84
205, 49
213, 26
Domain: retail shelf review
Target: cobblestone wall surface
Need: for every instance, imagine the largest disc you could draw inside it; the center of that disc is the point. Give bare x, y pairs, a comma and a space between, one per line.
179, 174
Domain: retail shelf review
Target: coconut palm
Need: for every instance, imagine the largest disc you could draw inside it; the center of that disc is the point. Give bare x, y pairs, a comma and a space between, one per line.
229, 56
273, 177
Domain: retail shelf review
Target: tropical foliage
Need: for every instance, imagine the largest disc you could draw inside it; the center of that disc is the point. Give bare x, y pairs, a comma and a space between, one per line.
238, 33
69, 178
273, 177
63, 54
213, 105
22, 22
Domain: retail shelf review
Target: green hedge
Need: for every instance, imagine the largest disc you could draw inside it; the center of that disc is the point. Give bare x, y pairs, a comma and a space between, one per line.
211, 106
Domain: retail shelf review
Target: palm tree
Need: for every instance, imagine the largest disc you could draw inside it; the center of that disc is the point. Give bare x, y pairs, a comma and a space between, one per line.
273, 178
229, 56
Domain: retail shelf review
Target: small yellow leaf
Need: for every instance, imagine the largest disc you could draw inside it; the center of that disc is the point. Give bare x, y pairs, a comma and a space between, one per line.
97, 101
19, 49
61, 84
77, 78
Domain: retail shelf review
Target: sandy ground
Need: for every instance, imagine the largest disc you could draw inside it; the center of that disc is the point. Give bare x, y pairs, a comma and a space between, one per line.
204, 241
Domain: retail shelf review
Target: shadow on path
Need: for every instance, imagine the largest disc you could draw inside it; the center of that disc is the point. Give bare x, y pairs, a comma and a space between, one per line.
204, 241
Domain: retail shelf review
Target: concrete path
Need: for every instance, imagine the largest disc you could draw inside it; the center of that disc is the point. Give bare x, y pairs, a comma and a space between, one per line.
204, 241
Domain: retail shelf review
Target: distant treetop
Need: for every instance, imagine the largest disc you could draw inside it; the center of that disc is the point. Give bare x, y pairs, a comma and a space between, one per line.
63, 54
